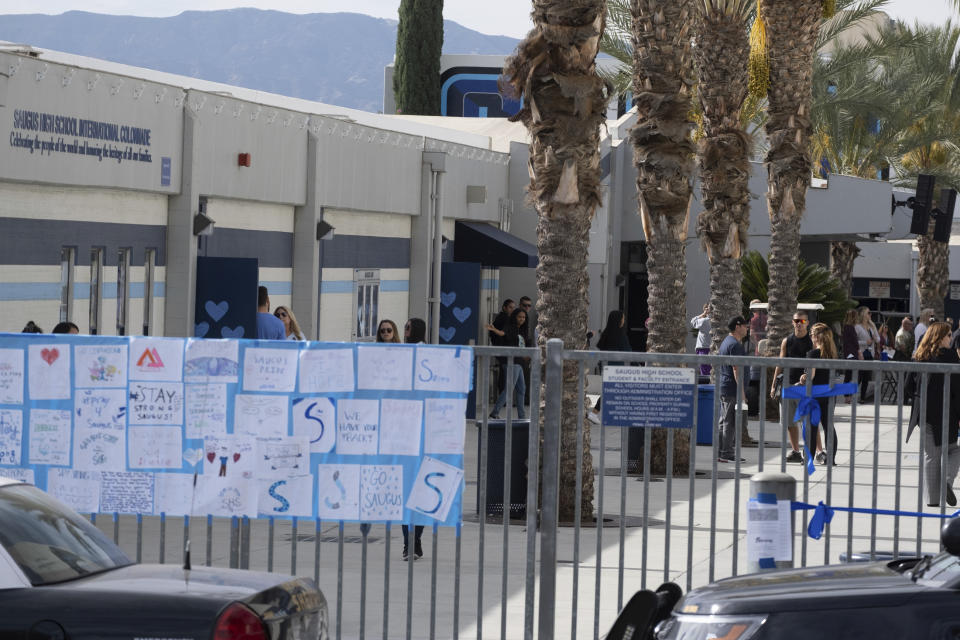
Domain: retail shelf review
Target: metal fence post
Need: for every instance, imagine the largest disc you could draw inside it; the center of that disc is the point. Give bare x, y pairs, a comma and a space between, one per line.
764, 487
551, 485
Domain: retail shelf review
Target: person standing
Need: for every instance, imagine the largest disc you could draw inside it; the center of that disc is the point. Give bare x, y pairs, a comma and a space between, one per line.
935, 347
868, 338
824, 349
31, 327
851, 344
414, 332
612, 338
66, 327
269, 327
728, 379
499, 322
796, 346
904, 341
702, 324
290, 325
387, 332
926, 319
512, 336
530, 339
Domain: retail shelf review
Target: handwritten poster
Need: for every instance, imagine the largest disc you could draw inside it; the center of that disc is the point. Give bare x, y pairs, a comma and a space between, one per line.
156, 359
269, 369
100, 365
435, 488
316, 418
326, 370
11, 436
338, 431
156, 403
381, 492
49, 371
230, 456
11, 376
155, 447
358, 424
20, 474
442, 369
400, 427
211, 361
126, 492
260, 415
100, 430
77, 489
444, 426
338, 491
50, 437
385, 368
206, 406
286, 495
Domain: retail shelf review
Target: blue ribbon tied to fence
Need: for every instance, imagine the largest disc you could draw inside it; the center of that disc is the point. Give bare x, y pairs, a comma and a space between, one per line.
808, 409
823, 514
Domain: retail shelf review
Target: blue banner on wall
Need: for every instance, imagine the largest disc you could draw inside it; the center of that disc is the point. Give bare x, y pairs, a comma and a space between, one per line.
338, 431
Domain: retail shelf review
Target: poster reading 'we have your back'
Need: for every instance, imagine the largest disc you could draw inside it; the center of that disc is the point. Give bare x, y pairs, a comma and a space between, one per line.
337, 431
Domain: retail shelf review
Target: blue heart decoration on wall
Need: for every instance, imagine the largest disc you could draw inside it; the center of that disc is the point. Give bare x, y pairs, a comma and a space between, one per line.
201, 329
446, 299
227, 332
461, 314
447, 333
218, 310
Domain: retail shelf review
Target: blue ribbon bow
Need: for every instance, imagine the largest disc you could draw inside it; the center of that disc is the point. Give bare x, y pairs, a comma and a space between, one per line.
808, 409
823, 514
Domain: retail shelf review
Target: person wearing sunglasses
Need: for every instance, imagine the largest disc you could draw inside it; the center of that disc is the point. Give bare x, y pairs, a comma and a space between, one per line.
387, 332
796, 346
290, 325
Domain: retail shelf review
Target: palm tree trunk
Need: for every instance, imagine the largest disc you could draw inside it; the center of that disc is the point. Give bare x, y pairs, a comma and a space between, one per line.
721, 55
791, 35
663, 155
564, 101
933, 266
842, 256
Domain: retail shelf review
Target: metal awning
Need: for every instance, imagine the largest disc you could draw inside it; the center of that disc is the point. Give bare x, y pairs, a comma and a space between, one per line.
491, 247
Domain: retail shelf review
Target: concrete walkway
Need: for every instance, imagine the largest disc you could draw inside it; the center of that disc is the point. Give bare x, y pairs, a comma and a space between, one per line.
594, 576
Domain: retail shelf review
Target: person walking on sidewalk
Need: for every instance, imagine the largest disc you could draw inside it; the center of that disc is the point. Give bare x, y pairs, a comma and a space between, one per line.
732, 345
796, 346
935, 347
826, 349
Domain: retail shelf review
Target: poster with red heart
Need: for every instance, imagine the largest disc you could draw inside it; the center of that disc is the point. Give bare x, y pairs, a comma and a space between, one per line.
48, 371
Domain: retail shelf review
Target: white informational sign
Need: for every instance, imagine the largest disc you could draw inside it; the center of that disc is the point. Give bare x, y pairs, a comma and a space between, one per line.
769, 534
879, 289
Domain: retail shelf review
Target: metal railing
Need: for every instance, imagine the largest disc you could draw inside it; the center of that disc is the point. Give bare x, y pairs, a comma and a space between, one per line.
484, 578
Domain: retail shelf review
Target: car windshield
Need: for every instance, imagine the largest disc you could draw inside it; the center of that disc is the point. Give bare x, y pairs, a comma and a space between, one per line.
50, 542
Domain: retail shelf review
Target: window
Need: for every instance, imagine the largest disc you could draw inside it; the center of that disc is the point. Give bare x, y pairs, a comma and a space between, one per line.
123, 290
149, 262
67, 257
366, 287
96, 278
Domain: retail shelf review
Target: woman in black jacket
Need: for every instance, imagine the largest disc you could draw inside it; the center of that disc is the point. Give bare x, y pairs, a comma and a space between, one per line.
612, 338
513, 335
935, 347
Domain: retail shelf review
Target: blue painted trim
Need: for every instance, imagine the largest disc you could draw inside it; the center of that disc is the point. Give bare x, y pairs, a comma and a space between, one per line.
490, 284
394, 285
336, 286
29, 290
279, 288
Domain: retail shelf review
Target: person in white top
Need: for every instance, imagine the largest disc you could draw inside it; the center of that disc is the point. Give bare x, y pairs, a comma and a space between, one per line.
290, 325
925, 320
702, 324
869, 339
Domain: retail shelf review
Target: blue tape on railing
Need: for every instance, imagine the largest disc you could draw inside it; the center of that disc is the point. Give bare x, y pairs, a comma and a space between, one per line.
808, 409
823, 514
767, 498
767, 563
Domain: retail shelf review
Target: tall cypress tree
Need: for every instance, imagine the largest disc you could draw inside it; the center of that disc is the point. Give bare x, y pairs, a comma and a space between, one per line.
416, 73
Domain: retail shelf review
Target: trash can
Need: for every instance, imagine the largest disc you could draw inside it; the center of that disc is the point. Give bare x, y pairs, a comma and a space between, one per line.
705, 414
520, 434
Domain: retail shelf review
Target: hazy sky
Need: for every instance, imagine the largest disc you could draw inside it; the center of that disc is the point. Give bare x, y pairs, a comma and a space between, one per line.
499, 17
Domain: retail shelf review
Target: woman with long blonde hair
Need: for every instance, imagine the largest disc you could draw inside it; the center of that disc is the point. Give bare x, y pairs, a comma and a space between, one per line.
289, 321
935, 347
824, 348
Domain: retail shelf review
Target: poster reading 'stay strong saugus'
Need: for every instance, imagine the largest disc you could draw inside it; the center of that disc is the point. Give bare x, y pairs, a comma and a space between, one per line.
308, 429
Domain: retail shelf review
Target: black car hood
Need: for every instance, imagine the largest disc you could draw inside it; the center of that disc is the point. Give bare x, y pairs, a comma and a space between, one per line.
221, 584
811, 588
